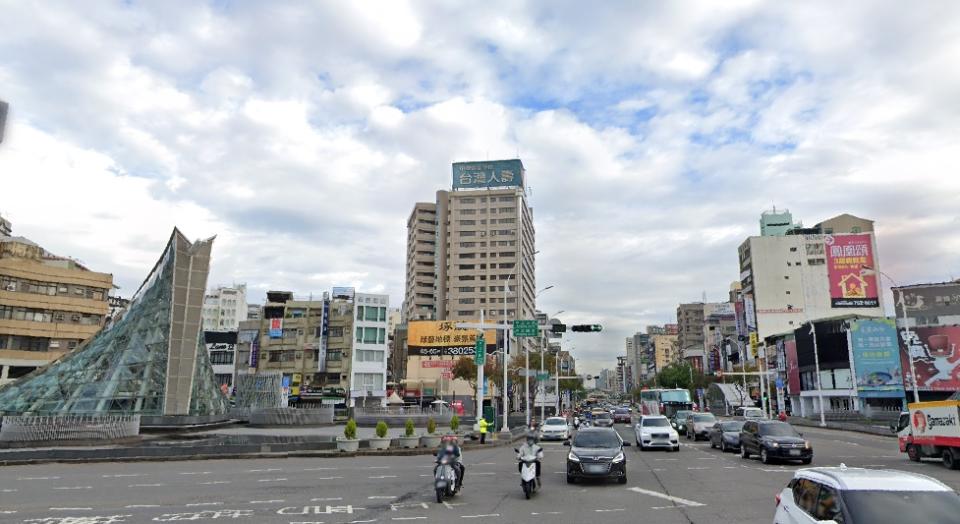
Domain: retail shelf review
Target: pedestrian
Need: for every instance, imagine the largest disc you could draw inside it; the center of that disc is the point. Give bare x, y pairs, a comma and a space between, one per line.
483, 430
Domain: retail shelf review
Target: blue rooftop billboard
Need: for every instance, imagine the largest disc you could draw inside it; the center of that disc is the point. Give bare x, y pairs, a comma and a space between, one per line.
488, 174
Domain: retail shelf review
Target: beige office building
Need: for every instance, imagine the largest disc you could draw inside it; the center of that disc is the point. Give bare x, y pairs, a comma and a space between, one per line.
483, 244
49, 305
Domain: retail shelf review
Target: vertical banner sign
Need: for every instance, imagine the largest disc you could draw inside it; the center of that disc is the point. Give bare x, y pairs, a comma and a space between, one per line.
750, 314
754, 342
324, 331
276, 328
793, 366
876, 357
255, 350
738, 313
846, 257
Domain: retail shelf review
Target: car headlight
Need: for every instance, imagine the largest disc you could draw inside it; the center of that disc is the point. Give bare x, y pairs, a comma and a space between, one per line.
773, 444
573, 458
619, 457
806, 444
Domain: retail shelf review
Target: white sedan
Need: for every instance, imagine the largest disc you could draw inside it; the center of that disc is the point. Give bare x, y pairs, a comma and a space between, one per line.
654, 432
555, 428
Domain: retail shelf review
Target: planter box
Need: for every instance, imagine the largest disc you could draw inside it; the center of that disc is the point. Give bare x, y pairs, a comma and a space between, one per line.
409, 442
379, 443
430, 441
348, 446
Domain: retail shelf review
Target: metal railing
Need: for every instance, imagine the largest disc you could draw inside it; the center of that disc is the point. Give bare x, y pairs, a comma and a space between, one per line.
68, 427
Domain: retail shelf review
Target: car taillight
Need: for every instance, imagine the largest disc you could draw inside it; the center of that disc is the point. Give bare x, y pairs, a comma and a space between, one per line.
660, 409
778, 499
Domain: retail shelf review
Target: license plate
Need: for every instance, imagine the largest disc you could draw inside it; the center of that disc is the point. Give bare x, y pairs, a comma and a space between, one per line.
596, 469
795, 452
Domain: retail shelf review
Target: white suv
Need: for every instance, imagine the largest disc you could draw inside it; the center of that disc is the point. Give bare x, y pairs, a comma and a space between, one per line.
865, 496
654, 431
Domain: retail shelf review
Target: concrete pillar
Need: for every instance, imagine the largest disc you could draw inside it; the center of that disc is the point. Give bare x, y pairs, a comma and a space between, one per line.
4, 370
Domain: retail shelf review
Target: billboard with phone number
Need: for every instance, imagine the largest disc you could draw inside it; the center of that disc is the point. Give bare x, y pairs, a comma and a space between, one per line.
847, 255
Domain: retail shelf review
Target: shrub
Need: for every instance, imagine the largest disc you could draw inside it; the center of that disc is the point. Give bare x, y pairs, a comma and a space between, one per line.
350, 431
455, 423
408, 428
431, 426
381, 429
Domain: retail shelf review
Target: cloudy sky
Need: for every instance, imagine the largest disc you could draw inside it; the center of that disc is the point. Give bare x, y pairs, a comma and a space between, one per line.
653, 133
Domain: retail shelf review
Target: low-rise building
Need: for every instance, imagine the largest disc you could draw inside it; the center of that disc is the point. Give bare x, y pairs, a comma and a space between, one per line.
224, 308
49, 305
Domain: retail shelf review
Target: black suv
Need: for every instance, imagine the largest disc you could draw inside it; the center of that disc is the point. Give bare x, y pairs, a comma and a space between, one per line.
773, 440
597, 453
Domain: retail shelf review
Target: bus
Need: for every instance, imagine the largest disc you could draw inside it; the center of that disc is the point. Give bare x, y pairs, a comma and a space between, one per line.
665, 401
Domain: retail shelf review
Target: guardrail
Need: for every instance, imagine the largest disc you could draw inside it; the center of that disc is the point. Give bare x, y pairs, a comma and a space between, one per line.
43, 428
291, 417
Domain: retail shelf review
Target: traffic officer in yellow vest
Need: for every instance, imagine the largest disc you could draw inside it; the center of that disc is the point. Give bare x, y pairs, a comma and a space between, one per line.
483, 430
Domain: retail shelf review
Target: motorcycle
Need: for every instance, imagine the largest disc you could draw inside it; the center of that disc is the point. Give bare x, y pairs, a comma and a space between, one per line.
528, 474
445, 479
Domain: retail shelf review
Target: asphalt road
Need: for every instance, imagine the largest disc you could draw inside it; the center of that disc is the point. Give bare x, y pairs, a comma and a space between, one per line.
696, 485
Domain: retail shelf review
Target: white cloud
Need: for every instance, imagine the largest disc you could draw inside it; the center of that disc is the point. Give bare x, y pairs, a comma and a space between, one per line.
653, 135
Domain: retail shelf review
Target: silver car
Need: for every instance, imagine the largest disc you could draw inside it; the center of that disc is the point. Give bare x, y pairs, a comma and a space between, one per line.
699, 424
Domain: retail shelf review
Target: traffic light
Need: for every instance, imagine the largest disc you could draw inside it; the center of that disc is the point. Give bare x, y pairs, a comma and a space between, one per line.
588, 328
558, 328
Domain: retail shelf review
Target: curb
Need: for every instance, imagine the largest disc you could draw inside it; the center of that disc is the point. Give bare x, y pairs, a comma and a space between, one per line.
306, 453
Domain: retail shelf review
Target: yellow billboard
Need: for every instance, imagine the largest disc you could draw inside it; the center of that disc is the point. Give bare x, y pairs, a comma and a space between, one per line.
444, 338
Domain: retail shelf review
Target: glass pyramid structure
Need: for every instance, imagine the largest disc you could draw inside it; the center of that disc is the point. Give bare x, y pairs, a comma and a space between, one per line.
151, 360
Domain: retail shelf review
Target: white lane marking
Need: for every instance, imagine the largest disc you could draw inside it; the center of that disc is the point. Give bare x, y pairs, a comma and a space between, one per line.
383, 477
608, 510
385, 497
131, 506
664, 496
196, 472
665, 507
327, 499
329, 478
7, 511
195, 504
451, 505
74, 487
407, 518
13, 490
70, 509
275, 501
351, 522
214, 482
378, 467
426, 475
781, 470
271, 480
873, 466
38, 478
479, 516
548, 513
145, 485
121, 475
318, 469
699, 468
659, 469
263, 470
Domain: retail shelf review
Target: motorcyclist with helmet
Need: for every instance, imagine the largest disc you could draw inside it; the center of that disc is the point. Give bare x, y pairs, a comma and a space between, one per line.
450, 447
530, 449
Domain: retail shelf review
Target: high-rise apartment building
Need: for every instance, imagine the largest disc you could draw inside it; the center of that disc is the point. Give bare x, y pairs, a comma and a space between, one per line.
478, 253
776, 223
690, 325
48, 305
420, 301
808, 274
224, 308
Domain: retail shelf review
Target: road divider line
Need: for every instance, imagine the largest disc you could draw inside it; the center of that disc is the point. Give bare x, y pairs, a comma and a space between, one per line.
384, 497
408, 518
121, 475
608, 510
671, 498
479, 516
272, 480
699, 468
277, 501
383, 477
197, 504
73, 487
318, 469
327, 499
71, 509
214, 482
38, 478
145, 485
326, 478
132, 506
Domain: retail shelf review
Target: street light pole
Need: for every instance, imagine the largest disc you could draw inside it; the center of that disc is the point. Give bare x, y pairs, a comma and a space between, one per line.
816, 362
506, 351
907, 334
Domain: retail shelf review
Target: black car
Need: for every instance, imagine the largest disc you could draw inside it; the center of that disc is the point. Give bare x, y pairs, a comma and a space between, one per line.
597, 453
603, 420
773, 440
726, 435
679, 420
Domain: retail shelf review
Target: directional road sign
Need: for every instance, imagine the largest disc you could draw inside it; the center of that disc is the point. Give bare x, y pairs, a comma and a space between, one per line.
526, 328
480, 352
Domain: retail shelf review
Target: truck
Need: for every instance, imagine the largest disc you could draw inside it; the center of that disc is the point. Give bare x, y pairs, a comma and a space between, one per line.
931, 429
